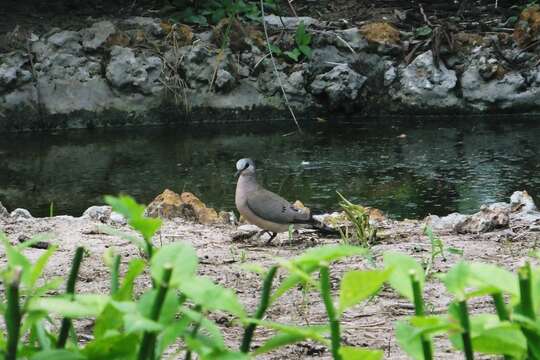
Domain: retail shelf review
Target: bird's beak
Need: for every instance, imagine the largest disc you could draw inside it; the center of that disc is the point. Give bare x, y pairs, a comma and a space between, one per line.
237, 173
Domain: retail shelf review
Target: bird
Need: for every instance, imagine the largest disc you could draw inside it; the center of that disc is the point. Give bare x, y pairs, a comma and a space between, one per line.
263, 208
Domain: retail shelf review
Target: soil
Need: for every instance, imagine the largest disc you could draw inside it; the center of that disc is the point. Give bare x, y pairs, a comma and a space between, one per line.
369, 325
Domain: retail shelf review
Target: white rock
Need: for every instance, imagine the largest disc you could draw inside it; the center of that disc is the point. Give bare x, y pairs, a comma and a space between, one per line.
98, 213
21, 214
117, 219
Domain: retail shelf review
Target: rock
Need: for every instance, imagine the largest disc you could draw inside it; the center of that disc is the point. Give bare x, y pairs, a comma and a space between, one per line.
290, 23
12, 72
98, 213
245, 232
3, 211
37, 245
224, 80
169, 205
521, 201
445, 223
349, 40
227, 217
150, 25
96, 36
340, 85
117, 219
295, 85
21, 214
68, 41
380, 33
490, 217
528, 26
126, 70
390, 75
424, 85
501, 92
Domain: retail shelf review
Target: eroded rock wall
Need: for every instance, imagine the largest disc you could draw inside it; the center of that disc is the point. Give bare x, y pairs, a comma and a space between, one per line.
146, 71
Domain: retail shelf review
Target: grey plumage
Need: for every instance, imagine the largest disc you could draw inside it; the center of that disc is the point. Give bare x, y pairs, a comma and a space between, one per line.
261, 207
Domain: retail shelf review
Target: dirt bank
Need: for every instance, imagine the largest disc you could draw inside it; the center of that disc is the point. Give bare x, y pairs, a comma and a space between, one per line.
368, 325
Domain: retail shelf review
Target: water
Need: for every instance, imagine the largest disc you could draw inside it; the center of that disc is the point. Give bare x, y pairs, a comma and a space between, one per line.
408, 168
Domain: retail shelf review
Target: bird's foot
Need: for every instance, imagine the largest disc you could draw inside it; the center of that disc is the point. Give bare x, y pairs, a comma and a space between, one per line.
272, 236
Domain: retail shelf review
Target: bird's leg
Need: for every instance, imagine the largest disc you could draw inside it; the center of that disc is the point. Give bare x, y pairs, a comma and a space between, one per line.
272, 236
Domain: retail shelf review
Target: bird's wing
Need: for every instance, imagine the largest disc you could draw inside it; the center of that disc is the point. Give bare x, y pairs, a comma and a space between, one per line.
272, 207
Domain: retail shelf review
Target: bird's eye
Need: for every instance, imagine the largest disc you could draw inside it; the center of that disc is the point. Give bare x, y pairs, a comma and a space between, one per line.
246, 166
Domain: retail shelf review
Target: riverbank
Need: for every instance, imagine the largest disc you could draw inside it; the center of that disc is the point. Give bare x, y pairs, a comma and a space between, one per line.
510, 240
146, 70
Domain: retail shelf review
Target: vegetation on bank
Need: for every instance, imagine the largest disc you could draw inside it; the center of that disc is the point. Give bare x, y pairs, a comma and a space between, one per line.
174, 316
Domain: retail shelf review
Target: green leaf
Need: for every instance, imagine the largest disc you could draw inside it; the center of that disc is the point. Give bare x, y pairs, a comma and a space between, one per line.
401, 266
457, 278
326, 254
39, 266
204, 292
110, 319
137, 241
207, 325
354, 353
58, 355
169, 307
134, 213
182, 257
173, 331
276, 50
408, 339
135, 322
123, 346
294, 54
423, 31
83, 305
306, 50
357, 286
503, 339
135, 268
489, 275
302, 38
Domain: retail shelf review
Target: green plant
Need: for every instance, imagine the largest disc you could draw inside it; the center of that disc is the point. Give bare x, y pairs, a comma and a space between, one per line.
302, 42
212, 11
437, 249
363, 232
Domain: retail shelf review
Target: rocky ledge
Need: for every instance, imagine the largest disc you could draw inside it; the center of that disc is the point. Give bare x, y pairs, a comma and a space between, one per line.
146, 71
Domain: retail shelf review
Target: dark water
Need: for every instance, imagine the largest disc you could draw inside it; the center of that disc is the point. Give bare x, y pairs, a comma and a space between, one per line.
439, 166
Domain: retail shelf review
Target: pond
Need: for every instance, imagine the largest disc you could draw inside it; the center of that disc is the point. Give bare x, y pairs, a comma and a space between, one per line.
408, 168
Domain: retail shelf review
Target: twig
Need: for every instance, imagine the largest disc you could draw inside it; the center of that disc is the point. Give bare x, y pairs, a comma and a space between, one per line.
424, 15
35, 81
276, 70
346, 43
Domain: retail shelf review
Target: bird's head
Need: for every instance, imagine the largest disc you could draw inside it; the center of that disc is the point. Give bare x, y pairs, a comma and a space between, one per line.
245, 166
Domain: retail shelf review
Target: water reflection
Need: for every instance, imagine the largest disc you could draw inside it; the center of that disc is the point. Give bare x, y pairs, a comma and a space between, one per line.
407, 168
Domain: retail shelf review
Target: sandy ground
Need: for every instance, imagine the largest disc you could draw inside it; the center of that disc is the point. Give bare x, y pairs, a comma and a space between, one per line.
370, 324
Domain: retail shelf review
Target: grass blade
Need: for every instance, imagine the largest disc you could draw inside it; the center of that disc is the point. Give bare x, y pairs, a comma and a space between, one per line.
331, 311
70, 290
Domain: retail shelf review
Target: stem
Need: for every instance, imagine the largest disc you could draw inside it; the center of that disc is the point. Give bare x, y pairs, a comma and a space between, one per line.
466, 325
194, 331
70, 290
149, 339
500, 306
13, 315
419, 311
115, 273
263, 305
527, 308
334, 322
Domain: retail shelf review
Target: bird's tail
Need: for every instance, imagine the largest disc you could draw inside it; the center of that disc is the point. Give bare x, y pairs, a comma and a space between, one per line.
322, 228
